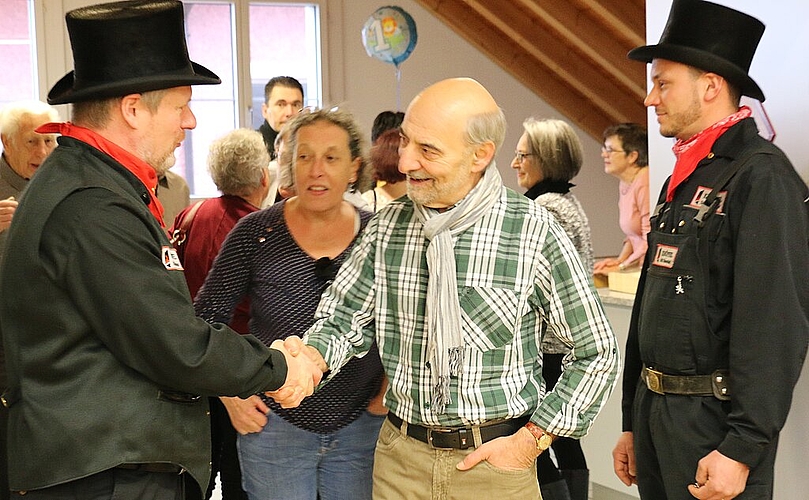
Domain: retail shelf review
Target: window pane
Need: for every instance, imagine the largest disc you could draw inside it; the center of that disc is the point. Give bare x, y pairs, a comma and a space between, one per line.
284, 41
17, 51
209, 31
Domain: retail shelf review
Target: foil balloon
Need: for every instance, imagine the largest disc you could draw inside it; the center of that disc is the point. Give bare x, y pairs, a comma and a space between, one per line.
389, 35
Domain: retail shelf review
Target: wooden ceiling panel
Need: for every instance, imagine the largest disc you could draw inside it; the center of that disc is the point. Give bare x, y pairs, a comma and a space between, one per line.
571, 53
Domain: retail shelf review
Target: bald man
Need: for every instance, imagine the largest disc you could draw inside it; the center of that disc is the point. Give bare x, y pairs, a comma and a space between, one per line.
456, 284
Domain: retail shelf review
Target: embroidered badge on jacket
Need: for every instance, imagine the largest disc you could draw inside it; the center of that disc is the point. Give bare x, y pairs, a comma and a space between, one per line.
665, 255
170, 259
701, 194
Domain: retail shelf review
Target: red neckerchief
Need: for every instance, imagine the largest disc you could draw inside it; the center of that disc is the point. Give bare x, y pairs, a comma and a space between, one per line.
139, 168
690, 152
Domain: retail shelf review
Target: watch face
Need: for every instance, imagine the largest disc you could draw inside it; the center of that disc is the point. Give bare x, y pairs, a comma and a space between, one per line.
545, 442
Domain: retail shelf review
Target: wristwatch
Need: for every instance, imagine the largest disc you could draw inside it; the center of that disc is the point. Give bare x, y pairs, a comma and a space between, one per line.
542, 438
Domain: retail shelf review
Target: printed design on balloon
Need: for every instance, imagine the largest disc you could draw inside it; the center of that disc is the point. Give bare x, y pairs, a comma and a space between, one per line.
389, 35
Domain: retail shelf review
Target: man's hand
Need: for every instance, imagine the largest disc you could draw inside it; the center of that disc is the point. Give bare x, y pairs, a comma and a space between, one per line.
623, 459
247, 415
515, 452
302, 377
7, 208
719, 478
295, 346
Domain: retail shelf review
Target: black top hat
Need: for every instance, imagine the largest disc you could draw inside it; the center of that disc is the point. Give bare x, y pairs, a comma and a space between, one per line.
127, 47
710, 37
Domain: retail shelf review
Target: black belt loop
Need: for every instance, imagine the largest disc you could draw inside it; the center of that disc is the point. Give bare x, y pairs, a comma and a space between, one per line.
459, 438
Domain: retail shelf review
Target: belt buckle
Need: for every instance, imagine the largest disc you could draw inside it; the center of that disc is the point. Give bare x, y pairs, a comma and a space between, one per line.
654, 381
464, 437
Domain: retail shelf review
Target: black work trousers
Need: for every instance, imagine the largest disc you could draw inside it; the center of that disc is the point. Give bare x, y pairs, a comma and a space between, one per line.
672, 433
113, 483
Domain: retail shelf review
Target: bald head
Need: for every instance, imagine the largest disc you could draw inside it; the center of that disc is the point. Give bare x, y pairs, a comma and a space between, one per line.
450, 134
459, 103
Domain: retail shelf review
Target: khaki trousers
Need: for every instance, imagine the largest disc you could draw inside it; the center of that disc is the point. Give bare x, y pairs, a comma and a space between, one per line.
407, 469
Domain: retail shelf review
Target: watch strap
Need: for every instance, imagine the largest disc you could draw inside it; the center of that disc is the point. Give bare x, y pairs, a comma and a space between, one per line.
543, 439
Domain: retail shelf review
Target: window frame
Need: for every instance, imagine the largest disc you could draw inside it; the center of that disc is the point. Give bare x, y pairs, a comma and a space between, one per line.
54, 55
241, 29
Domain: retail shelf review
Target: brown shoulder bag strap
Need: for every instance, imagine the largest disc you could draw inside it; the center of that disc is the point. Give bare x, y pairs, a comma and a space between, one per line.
177, 237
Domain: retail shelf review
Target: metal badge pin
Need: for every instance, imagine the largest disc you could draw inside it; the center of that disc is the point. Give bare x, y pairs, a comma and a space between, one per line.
679, 289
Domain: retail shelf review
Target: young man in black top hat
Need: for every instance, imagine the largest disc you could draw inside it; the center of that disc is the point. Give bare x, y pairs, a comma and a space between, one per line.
107, 363
719, 328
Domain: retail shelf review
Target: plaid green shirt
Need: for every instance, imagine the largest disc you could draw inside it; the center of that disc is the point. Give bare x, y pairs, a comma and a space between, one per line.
519, 278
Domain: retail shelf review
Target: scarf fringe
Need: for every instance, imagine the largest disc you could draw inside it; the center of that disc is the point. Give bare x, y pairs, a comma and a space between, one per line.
455, 360
441, 395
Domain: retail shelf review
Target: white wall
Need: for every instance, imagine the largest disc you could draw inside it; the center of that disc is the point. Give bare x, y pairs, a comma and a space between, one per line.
781, 68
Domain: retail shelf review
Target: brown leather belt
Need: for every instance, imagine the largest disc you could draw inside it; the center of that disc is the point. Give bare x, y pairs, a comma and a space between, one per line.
158, 467
715, 385
459, 438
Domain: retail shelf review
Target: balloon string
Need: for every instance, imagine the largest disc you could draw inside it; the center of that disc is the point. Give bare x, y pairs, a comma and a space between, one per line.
398, 88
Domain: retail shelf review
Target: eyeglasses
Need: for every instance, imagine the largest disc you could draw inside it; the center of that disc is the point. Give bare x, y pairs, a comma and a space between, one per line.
609, 151
521, 156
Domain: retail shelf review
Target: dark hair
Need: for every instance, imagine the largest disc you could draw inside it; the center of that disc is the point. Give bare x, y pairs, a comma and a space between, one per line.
282, 81
633, 138
386, 120
385, 157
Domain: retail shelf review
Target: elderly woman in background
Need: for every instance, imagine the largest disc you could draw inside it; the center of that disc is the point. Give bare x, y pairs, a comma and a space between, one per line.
283, 258
238, 165
625, 155
548, 156
385, 162
278, 170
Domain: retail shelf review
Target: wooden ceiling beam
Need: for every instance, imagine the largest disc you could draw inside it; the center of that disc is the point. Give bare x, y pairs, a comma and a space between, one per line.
572, 68
579, 71
576, 26
625, 20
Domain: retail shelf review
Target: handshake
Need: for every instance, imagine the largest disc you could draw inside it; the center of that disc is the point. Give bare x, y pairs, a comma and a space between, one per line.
305, 368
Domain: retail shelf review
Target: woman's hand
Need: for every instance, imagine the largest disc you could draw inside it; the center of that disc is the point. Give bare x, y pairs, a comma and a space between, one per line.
606, 266
247, 415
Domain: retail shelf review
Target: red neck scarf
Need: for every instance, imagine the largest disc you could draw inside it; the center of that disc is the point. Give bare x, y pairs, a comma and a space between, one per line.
690, 152
139, 168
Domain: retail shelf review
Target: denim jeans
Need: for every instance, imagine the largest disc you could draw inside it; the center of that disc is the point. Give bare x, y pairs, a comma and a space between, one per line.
286, 462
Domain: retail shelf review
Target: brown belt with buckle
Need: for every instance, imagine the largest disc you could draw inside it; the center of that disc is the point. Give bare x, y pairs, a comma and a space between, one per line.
459, 438
715, 385
158, 467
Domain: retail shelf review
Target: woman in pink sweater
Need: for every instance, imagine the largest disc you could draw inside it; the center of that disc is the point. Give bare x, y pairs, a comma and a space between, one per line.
626, 157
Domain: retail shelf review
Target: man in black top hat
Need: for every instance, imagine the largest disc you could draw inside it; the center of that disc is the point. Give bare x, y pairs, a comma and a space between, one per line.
107, 363
719, 328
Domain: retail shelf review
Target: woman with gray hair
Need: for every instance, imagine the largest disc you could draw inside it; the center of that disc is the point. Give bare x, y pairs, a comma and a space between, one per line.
238, 165
283, 258
548, 156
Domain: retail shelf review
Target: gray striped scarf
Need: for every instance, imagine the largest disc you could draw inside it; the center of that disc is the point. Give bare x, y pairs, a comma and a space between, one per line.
444, 340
